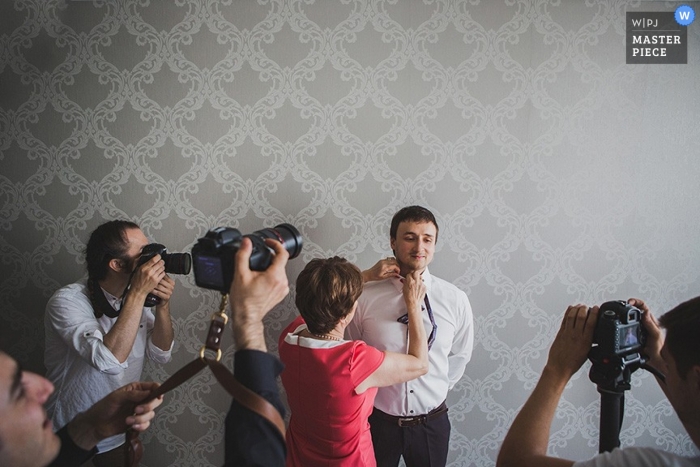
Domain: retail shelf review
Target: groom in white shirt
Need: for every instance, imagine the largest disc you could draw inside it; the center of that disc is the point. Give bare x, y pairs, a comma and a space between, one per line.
410, 419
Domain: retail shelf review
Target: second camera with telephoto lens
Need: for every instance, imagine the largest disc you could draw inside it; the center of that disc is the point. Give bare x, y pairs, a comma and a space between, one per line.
213, 254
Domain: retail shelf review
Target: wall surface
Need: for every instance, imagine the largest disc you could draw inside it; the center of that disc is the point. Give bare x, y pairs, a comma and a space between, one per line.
558, 173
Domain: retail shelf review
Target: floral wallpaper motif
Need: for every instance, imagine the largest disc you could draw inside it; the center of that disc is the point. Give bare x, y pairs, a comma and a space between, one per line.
558, 173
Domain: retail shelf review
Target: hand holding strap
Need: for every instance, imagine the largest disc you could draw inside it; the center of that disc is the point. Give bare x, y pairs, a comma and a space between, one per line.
251, 400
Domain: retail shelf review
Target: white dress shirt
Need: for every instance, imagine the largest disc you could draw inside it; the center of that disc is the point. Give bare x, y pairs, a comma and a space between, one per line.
82, 369
639, 457
375, 322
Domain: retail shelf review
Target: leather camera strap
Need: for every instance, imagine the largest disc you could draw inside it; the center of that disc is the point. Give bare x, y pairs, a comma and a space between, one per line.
133, 450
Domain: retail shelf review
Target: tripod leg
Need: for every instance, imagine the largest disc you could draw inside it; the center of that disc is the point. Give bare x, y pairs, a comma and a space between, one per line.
611, 406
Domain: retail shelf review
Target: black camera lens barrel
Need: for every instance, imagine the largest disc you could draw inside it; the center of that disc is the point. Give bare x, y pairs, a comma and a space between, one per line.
213, 254
261, 256
177, 263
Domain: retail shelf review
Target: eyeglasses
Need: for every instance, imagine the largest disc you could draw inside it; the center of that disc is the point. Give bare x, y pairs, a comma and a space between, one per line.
431, 338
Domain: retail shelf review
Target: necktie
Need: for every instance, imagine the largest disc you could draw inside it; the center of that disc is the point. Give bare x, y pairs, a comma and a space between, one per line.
426, 306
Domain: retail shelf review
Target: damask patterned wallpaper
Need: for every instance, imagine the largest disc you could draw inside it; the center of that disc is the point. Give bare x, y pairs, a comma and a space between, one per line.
558, 173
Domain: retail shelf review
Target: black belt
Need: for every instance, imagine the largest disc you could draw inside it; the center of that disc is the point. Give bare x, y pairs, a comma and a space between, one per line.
414, 420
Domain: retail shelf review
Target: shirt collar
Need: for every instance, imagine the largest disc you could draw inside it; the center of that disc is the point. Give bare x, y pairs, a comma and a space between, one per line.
427, 280
294, 338
115, 302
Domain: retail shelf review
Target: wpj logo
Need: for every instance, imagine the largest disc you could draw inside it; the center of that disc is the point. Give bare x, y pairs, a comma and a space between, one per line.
657, 37
645, 23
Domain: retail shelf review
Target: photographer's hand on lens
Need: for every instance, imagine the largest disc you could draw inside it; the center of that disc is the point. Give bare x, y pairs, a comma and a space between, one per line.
164, 290
148, 276
383, 269
570, 348
254, 293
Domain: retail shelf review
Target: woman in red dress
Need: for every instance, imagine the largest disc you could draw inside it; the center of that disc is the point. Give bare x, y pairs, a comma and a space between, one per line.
331, 382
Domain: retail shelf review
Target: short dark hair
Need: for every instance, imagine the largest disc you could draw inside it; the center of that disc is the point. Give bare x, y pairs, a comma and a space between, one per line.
682, 326
412, 214
326, 291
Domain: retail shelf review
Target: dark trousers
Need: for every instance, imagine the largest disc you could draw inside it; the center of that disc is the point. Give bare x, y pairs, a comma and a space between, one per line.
424, 444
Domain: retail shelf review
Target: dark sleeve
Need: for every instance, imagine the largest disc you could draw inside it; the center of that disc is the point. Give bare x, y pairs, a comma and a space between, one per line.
250, 440
70, 454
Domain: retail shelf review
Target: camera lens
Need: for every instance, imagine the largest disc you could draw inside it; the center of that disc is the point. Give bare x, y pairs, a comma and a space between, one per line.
287, 235
177, 263
213, 254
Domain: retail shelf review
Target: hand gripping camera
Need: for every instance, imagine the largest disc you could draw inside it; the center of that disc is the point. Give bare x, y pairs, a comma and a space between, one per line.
175, 263
213, 254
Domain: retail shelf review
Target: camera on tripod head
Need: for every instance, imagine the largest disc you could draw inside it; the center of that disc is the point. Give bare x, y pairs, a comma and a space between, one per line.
618, 339
213, 254
619, 330
175, 263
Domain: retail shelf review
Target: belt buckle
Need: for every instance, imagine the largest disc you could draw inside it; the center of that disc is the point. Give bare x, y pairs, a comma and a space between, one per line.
409, 421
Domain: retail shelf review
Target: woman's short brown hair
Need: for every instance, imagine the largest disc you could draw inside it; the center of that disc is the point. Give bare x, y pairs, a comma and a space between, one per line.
326, 291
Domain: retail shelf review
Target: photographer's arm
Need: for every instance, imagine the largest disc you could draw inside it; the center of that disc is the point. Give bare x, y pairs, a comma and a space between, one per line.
119, 410
120, 339
254, 293
251, 440
527, 440
163, 334
114, 414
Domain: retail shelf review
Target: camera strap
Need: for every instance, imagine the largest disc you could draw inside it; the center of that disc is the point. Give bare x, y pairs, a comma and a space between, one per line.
100, 305
133, 450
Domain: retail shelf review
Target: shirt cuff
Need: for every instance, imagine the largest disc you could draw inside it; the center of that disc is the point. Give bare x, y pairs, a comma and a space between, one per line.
159, 355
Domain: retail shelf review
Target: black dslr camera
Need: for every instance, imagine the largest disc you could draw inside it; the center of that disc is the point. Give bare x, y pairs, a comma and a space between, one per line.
175, 263
618, 339
213, 254
619, 330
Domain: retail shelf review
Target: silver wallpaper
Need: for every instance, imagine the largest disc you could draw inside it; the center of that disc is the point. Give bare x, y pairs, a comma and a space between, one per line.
558, 173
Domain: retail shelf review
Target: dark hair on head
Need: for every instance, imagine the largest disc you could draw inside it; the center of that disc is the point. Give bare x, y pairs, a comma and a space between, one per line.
682, 326
412, 214
326, 291
107, 242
